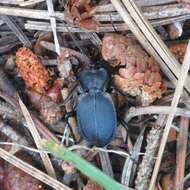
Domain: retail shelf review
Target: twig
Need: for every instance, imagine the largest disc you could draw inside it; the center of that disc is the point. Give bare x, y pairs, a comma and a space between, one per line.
67, 51
32, 171
133, 112
147, 163
53, 24
181, 152
177, 94
45, 158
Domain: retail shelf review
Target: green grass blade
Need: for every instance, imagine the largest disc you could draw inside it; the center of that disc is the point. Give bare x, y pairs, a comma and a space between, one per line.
82, 165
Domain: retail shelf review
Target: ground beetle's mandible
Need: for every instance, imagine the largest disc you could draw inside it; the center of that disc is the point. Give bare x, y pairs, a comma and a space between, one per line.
96, 113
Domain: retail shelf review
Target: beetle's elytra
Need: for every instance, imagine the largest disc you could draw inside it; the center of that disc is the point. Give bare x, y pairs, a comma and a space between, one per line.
96, 113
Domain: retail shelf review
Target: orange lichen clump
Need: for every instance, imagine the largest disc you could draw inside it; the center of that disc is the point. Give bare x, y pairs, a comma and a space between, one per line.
32, 70
140, 75
178, 49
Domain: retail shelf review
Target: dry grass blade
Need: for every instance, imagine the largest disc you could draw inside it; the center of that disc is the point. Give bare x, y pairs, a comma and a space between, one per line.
106, 164
16, 30
44, 131
181, 152
153, 2
13, 2
107, 14
30, 2
144, 3
154, 12
177, 94
44, 26
130, 166
32, 171
53, 24
37, 139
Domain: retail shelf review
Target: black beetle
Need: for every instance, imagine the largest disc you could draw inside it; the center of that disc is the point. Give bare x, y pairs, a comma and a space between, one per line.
96, 115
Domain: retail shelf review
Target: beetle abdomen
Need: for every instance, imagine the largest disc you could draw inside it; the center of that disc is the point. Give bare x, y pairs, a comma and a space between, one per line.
96, 117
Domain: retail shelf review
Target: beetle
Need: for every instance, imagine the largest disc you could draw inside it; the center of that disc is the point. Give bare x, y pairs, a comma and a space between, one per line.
96, 114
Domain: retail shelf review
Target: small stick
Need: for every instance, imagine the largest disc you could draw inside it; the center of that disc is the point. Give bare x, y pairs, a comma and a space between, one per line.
133, 112
181, 152
177, 94
67, 52
147, 163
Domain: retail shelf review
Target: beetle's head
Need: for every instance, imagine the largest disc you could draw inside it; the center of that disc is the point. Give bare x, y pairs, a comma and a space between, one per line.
93, 79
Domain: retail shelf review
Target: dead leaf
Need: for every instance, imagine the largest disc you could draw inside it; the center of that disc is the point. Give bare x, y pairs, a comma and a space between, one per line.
92, 186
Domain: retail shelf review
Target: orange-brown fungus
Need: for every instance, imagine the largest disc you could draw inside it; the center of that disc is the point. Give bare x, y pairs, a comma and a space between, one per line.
32, 70
178, 49
140, 75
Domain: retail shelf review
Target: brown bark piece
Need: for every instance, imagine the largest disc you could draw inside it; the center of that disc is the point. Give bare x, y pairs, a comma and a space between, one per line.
181, 152
16, 179
92, 186
50, 110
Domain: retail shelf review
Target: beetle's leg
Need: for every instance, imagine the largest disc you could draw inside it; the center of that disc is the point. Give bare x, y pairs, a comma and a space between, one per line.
124, 124
70, 95
131, 101
65, 136
67, 130
67, 116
